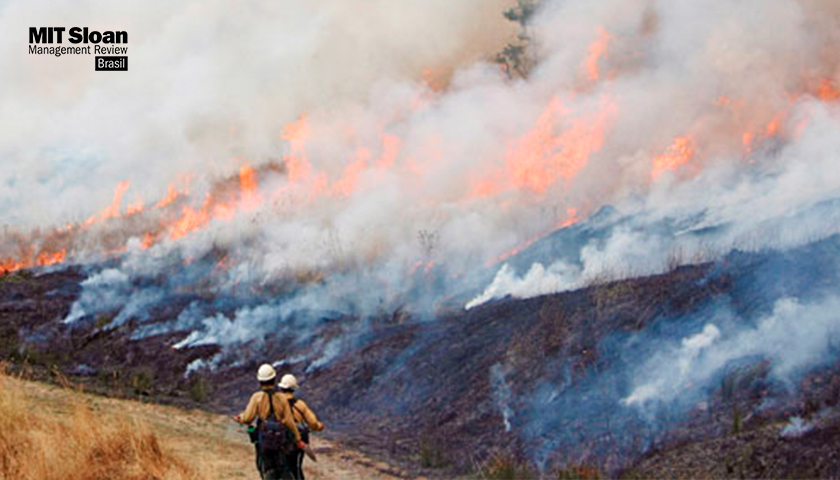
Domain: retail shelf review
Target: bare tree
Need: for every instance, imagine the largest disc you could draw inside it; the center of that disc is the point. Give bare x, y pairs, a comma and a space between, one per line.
519, 57
428, 240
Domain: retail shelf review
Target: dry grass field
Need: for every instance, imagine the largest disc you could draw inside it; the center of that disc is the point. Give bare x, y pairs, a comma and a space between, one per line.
47, 433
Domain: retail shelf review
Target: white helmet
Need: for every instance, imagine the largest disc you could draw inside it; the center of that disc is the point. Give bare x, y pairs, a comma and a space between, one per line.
288, 382
266, 373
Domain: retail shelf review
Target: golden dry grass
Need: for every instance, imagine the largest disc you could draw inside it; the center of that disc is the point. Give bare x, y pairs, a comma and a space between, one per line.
48, 432
64, 438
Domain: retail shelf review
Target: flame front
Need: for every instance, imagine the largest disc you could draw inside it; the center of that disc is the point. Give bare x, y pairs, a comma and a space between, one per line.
678, 154
561, 142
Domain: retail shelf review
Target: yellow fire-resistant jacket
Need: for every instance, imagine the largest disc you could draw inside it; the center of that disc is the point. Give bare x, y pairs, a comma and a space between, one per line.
303, 413
258, 407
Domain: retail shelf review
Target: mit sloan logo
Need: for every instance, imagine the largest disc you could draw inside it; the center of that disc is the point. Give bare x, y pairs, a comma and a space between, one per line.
111, 55
77, 35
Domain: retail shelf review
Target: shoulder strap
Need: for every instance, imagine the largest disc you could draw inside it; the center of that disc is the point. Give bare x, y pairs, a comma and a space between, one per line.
270, 403
292, 403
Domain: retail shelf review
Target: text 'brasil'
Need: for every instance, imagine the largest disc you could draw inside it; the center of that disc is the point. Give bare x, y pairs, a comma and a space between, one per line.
79, 35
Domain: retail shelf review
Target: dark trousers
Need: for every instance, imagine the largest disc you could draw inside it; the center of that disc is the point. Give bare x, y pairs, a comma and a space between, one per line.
274, 467
294, 461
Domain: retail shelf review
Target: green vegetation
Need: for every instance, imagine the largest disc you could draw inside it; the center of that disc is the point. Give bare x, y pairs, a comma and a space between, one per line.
578, 472
736, 420
142, 380
506, 467
199, 389
51, 358
432, 454
9, 344
103, 320
20, 276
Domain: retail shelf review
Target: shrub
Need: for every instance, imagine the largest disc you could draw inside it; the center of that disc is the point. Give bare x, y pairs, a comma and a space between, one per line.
142, 380
199, 389
432, 454
506, 467
578, 472
20, 276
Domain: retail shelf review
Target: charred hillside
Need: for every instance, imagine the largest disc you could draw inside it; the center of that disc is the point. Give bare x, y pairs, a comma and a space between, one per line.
549, 379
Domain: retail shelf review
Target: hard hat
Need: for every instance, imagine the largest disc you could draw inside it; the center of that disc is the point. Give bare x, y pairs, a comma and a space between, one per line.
266, 373
288, 382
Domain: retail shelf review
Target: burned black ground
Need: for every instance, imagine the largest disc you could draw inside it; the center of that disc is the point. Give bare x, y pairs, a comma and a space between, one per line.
421, 392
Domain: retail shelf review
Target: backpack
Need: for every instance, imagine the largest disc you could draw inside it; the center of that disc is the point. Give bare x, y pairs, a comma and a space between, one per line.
302, 426
272, 436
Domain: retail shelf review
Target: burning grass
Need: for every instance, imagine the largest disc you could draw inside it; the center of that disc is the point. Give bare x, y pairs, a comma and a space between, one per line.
65, 439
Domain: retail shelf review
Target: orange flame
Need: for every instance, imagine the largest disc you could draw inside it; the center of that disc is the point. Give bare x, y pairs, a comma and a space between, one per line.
223, 202
51, 258
346, 185
134, 208
571, 218
677, 154
390, 148
171, 195
42, 259
220, 203
248, 186
747, 140
773, 127
8, 265
148, 240
297, 133
597, 50
558, 145
191, 219
113, 210
540, 158
828, 91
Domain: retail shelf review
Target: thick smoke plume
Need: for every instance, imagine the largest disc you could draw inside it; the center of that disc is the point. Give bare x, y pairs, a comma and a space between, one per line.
360, 158
321, 155
212, 86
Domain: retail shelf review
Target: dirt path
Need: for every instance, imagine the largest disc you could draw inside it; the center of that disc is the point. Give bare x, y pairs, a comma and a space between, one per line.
215, 446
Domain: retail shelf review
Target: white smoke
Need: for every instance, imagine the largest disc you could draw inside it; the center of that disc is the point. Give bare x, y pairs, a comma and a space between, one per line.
794, 338
202, 364
107, 290
684, 359
330, 352
538, 281
502, 393
485, 164
796, 427
248, 325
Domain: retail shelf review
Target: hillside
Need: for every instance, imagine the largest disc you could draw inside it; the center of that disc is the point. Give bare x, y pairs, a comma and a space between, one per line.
771, 450
548, 381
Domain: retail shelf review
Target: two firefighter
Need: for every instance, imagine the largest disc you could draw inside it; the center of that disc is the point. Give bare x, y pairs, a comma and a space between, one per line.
281, 434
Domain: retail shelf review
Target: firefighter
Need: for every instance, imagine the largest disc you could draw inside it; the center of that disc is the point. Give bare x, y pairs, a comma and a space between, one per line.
271, 460
305, 419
